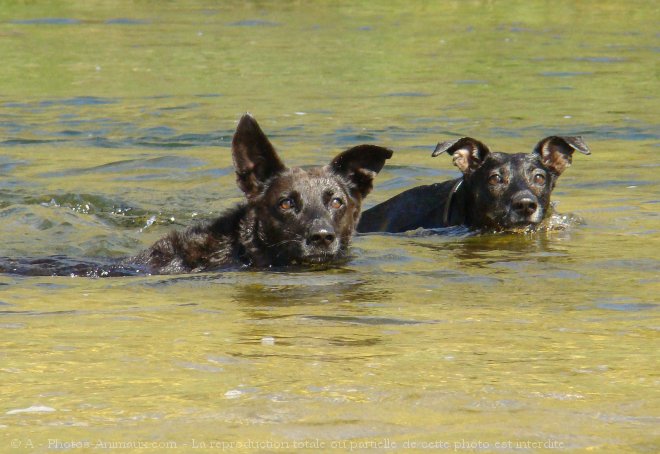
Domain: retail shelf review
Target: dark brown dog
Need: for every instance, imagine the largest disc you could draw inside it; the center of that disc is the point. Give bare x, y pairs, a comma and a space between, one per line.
292, 216
497, 190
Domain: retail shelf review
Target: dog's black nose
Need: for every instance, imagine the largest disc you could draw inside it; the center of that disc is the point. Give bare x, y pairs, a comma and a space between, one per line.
322, 237
525, 206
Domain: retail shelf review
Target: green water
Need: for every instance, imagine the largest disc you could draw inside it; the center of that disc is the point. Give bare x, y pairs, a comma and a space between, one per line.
115, 123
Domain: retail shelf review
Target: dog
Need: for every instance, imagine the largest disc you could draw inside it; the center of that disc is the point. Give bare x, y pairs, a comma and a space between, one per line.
291, 216
498, 191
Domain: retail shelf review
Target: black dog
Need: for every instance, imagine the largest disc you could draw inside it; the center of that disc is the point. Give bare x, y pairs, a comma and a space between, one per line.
292, 216
498, 190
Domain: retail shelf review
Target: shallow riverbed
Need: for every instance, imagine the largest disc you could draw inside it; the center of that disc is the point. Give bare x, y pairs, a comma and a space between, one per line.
115, 125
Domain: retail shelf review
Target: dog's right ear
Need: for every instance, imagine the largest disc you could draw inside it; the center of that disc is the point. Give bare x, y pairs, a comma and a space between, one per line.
360, 165
468, 153
255, 159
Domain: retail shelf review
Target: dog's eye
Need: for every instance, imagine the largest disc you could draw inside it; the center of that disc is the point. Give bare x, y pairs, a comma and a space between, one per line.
539, 178
287, 204
336, 203
494, 179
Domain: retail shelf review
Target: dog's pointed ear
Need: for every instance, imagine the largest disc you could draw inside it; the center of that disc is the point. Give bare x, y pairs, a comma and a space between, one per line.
556, 152
468, 153
255, 159
360, 165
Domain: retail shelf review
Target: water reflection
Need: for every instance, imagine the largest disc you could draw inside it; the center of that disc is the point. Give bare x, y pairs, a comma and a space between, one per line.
485, 250
312, 310
335, 286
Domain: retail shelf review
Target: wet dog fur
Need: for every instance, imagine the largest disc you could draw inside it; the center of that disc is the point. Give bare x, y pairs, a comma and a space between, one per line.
498, 191
290, 216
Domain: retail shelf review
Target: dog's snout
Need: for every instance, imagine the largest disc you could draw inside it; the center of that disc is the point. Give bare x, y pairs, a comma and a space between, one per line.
322, 237
321, 233
525, 206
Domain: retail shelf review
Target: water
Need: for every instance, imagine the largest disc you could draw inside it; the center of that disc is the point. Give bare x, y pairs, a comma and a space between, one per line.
115, 124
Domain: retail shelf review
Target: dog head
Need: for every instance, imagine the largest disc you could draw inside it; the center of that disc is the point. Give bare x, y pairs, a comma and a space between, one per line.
510, 190
301, 216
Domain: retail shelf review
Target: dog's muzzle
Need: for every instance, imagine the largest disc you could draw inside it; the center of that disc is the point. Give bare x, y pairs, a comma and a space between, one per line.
321, 243
525, 209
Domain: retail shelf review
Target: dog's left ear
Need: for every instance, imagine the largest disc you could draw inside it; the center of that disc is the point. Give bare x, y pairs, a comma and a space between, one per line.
255, 159
556, 152
360, 165
468, 153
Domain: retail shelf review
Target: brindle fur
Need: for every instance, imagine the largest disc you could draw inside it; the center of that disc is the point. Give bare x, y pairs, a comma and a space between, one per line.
291, 215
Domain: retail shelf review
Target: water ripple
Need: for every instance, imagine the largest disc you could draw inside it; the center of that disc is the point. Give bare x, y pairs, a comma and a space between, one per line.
47, 21
254, 23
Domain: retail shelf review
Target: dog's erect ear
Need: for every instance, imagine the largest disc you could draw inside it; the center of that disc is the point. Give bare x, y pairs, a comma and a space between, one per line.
468, 153
556, 152
255, 159
360, 165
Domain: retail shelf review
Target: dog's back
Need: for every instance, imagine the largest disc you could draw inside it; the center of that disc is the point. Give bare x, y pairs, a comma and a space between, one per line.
419, 207
209, 245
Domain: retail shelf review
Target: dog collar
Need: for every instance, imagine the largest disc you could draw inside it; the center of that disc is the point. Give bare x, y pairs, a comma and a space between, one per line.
450, 198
